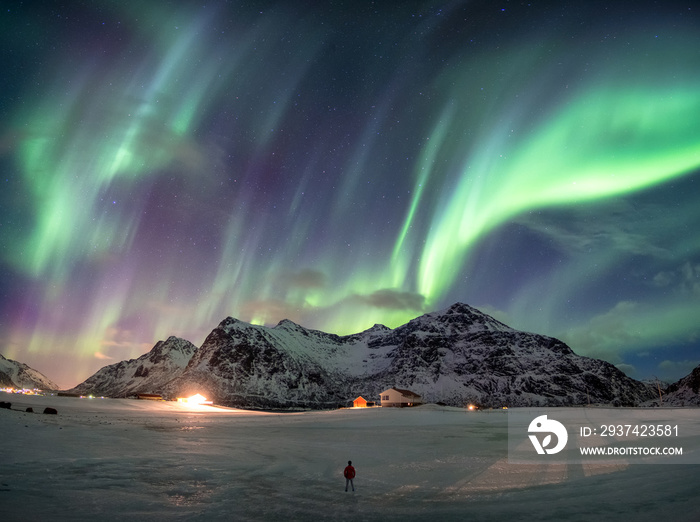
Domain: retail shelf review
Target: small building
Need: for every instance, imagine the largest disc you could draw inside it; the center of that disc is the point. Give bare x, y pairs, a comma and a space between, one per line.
360, 402
399, 398
149, 397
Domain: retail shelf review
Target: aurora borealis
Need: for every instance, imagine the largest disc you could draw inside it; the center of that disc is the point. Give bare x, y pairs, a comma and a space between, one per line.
167, 164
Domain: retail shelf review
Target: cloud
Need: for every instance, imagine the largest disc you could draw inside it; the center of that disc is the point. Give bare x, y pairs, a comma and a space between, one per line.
269, 311
685, 280
103, 357
615, 225
663, 279
640, 328
628, 369
671, 370
306, 278
497, 314
395, 300
122, 341
115, 336
608, 333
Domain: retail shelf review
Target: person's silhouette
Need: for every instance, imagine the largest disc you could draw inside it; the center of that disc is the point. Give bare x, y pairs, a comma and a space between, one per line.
349, 474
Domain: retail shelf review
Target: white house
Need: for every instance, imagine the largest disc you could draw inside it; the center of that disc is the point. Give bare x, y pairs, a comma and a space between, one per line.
399, 398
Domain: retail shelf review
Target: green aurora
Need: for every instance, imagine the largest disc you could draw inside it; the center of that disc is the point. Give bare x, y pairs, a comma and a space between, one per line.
165, 168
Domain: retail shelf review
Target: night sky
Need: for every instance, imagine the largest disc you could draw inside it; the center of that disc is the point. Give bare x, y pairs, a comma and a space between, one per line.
165, 164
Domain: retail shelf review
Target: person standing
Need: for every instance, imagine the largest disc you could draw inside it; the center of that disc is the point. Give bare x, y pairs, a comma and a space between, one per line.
349, 474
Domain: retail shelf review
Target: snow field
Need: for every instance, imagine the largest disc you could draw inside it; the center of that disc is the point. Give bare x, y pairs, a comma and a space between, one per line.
115, 459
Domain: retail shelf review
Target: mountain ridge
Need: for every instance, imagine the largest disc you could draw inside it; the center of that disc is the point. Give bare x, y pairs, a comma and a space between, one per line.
455, 356
146, 374
14, 374
685, 391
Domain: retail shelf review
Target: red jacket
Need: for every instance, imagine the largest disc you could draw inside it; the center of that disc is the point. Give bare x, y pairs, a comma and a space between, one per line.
349, 472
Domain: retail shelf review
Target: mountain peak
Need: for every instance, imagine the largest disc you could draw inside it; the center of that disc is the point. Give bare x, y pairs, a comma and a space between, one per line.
147, 374
459, 317
378, 328
173, 347
289, 324
228, 322
461, 308
19, 375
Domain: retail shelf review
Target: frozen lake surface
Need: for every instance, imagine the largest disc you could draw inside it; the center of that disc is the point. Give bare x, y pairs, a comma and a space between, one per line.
108, 459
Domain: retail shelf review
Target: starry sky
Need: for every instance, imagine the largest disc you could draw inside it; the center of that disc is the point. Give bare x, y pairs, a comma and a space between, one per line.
164, 165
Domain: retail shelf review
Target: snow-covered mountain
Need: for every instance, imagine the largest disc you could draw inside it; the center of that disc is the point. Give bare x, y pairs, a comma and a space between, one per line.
454, 356
15, 374
147, 374
685, 392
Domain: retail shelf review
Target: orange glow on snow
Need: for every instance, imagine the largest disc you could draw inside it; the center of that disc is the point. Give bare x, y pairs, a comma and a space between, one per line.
195, 399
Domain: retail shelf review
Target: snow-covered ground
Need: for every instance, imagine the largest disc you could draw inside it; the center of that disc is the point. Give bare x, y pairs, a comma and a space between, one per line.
108, 459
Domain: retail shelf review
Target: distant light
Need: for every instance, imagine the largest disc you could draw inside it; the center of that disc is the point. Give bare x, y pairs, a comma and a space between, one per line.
195, 399
471, 407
